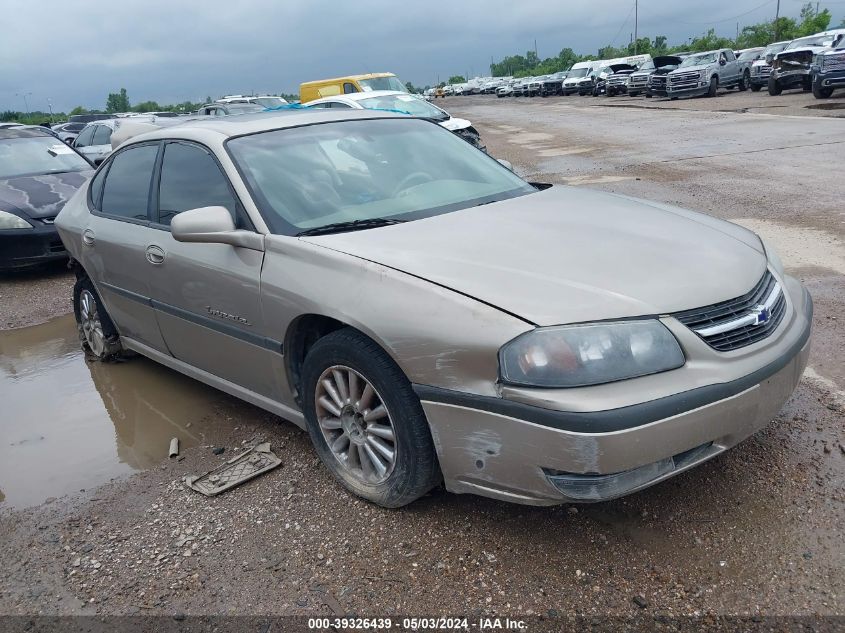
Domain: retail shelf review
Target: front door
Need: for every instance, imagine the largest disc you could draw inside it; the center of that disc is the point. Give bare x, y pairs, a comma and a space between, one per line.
207, 296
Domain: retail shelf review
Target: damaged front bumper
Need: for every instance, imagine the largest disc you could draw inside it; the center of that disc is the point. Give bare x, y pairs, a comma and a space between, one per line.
528, 454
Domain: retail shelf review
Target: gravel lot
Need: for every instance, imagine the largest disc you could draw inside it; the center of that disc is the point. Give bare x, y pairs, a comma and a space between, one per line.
756, 531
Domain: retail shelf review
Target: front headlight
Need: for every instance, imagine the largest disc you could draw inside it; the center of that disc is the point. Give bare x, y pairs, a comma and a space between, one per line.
589, 354
703, 74
11, 221
774, 259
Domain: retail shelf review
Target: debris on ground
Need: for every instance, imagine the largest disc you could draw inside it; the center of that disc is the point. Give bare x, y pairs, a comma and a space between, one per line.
257, 460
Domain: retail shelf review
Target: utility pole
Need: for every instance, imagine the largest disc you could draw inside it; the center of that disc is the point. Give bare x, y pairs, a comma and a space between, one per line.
535, 47
777, 16
25, 102
50, 105
636, 18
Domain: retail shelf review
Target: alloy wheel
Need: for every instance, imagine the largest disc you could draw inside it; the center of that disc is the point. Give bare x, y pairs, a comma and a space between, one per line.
356, 424
92, 327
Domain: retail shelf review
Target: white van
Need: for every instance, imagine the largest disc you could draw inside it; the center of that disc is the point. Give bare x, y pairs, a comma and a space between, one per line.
578, 73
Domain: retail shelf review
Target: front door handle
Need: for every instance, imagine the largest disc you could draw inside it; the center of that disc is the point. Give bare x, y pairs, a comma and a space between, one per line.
155, 254
88, 237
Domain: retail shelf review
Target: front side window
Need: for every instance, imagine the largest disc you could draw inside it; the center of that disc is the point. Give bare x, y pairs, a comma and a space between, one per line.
127, 185
102, 135
190, 179
85, 137
409, 104
399, 168
349, 88
37, 155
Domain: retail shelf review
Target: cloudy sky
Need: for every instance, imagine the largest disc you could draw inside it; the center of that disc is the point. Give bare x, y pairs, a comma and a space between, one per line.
75, 53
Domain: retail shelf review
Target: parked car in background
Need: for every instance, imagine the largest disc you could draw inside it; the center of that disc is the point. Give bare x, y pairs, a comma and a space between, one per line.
94, 141
69, 130
828, 70
355, 273
702, 74
574, 77
535, 86
310, 90
553, 84
87, 118
791, 67
226, 109
762, 68
506, 89
38, 174
265, 101
663, 65
617, 81
393, 101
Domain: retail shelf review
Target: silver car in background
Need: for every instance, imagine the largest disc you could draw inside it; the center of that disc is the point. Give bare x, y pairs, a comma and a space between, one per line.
426, 314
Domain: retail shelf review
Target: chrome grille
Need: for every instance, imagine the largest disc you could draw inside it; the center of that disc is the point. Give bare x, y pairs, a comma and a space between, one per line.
617, 80
682, 78
834, 62
638, 80
658, 81
742, 321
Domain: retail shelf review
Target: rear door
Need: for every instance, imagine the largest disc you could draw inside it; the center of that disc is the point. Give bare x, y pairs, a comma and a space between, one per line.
207, 296
114, 242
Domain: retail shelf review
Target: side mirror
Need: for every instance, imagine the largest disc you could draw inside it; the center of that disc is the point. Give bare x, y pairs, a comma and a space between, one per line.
722, 61
505, 163
213, 225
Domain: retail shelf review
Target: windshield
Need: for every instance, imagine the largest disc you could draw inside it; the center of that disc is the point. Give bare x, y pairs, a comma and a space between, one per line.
35, 155
403, 169
577, 72
649, 65
748, 56
406, 103
772, 49
816, 40
270, 102
382, 83
698, 60
243, 108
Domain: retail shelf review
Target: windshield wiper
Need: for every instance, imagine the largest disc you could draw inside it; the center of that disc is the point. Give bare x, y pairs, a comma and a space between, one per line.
351, 225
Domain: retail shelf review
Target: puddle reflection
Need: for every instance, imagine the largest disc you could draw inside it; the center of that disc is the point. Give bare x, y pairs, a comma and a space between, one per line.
67, 424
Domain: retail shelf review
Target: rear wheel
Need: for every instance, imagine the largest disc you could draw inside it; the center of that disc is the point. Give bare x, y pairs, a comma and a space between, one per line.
774, 87
97, 333
366, 422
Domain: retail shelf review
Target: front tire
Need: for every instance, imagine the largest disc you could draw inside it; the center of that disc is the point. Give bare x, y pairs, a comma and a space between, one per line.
774, 87
97, 333
820, 92
714, 87
742, 86
365, 421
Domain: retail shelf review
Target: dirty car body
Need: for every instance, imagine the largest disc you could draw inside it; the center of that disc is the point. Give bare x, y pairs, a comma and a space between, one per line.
587, 346
38, 175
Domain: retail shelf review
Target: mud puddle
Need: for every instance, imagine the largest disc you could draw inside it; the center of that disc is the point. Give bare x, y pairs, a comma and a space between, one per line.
67, 424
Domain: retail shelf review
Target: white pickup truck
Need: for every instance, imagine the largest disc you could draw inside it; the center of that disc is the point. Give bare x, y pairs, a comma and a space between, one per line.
704, 73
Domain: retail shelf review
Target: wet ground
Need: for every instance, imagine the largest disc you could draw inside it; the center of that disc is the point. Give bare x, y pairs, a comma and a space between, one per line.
757, 530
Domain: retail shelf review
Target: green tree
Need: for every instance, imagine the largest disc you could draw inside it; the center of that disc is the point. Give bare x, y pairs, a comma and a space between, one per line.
812, 21
117, 101
148, 106
79, 110
456, 79
9, 115
659, 46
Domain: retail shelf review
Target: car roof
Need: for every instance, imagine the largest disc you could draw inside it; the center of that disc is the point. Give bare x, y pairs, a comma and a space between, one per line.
24, 131
221, 128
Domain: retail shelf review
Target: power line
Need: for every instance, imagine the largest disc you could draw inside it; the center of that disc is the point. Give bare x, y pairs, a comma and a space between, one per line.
731, 19
613, 41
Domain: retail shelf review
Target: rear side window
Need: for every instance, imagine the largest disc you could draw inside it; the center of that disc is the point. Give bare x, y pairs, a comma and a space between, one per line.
102, 135
190, 179
349, 88
85, 137
97, 187
127, 184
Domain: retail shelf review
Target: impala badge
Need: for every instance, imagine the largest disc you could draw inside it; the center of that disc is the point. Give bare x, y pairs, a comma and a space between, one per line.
226, 315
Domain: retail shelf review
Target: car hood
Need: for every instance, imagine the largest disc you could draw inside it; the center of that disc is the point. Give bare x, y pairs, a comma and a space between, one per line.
453, 123
618, 68
803, 49
567, 255
41, 196
687, 69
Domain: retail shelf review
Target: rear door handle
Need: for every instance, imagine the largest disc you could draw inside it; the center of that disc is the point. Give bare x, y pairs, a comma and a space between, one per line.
88, 237
155, 254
